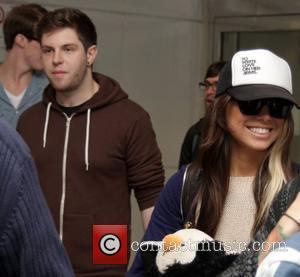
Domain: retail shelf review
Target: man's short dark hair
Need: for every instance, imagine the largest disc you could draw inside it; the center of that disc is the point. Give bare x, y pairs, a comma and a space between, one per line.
70, 18
22, 19
214, 69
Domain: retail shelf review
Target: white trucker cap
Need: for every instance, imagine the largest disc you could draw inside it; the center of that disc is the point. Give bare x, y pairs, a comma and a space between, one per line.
256, 74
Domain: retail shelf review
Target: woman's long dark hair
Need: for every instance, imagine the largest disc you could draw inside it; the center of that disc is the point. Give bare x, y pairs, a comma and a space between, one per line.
214, 160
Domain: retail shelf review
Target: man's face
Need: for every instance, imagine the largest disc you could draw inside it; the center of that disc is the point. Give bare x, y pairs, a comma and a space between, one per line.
64, 59
210, 90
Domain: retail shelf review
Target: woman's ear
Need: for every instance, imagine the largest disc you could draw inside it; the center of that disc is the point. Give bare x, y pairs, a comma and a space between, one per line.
91, 55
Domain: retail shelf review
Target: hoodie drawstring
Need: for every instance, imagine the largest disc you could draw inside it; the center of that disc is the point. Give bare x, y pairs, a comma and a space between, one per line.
46, 124
87, 136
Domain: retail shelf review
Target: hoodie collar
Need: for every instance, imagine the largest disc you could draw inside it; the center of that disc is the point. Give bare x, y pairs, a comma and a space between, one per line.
109, 93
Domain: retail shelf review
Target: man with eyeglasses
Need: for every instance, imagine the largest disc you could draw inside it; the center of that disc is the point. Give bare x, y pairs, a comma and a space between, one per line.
21, 83
192, 139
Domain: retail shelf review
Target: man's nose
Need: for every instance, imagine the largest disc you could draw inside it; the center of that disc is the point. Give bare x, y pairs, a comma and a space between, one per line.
57, 57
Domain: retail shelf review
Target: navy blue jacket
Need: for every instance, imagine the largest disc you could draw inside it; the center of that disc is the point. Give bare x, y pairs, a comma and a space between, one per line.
29, 243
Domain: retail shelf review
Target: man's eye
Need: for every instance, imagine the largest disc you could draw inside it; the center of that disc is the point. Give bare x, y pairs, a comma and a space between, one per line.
45, 51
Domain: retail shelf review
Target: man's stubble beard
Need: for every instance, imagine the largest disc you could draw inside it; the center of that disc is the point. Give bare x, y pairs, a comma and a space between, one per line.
73, 84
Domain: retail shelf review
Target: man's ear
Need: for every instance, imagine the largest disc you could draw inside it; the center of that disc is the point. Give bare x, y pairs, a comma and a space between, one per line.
20, 40
91, 54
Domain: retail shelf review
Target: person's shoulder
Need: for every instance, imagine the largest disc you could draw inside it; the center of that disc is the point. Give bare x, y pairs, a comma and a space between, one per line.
196, 127
35, 110
118, 98
175, 182
10, 139
134, 108
170, 196
132, 113
173, 187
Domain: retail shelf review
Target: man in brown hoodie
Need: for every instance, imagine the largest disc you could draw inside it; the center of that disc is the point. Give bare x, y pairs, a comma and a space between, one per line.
91, 144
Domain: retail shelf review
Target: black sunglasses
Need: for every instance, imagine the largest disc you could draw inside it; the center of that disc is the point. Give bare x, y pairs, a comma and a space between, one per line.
278, 108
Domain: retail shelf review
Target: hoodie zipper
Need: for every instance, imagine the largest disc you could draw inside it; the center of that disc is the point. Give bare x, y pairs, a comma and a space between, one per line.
64, 173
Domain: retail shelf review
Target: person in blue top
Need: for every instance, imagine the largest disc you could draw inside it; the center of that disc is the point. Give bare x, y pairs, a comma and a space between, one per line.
21, 81
243, 165
29, 243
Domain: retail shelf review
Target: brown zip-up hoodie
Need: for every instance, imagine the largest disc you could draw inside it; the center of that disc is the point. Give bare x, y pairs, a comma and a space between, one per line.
88, 164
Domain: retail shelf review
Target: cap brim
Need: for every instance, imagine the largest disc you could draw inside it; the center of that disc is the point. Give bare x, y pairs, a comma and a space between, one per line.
254, 92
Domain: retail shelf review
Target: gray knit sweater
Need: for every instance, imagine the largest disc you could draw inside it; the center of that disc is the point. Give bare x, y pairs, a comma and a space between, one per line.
29, 244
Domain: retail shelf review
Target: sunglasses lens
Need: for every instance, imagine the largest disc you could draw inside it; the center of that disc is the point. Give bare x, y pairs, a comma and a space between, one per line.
250, 107
279, 108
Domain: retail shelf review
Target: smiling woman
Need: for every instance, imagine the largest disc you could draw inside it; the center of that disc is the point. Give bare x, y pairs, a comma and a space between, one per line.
252, 133
249, 132
243, 163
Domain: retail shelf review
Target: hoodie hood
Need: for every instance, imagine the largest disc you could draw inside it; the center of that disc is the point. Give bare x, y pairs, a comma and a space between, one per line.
109, 93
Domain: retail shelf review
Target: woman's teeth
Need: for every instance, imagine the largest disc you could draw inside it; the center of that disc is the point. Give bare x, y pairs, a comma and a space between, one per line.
260, 130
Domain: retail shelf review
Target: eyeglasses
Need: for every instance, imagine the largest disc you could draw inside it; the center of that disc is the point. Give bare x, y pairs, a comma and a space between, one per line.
206, 85
278, 108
